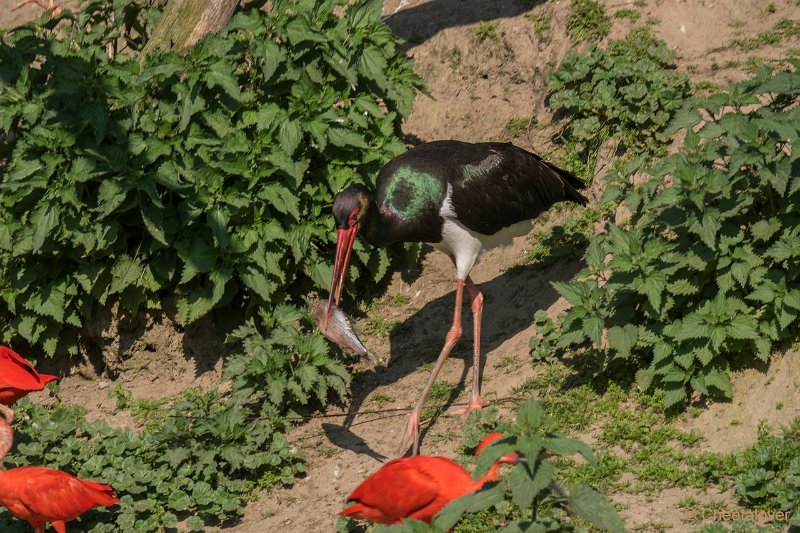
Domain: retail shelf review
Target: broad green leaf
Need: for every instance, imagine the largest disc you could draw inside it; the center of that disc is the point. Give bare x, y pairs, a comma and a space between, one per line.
220, 75
197, 257
153, 220
569, 446
525, 488
455, 510
593, 507
218, 221
44, 221
623, 339
344, 138
290, 135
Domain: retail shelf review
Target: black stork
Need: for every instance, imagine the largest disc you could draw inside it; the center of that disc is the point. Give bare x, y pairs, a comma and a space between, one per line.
461, 198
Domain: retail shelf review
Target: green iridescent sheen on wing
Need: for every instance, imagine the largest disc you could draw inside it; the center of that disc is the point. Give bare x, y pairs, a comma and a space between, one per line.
412, 191
480, 168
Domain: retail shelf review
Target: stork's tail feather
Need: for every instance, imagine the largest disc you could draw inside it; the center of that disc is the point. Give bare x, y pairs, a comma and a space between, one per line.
572, 184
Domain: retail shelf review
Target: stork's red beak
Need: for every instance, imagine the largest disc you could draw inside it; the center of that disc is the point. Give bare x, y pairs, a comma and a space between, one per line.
344, 246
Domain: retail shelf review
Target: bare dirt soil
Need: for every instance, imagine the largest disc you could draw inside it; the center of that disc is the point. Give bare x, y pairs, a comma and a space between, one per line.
477, 86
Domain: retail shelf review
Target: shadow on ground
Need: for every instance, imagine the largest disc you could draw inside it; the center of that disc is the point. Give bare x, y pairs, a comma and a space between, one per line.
511, 299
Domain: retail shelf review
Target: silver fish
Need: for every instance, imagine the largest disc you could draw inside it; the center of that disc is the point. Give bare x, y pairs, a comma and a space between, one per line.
340, 329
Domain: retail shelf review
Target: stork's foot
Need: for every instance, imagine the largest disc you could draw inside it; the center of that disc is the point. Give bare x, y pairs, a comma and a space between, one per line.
475, 404
410, 436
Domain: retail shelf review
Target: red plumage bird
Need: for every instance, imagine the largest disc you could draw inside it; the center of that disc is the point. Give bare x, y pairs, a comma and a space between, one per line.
418, 487
40, 495
18, 378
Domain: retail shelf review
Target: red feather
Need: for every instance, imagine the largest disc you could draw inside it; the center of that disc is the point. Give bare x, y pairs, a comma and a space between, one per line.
417, 487
18, 378
40, 495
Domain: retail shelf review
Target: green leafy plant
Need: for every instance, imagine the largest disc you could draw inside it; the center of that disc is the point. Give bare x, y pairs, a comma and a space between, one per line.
769, 475
629, 90
588, 21
288, 370
530, 486
206, 175
704, 273
200, 465
202, 455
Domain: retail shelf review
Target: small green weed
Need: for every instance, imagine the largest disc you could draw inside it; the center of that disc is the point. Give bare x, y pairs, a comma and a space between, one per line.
329, 451
705, 86
377, 325
541, 23
486, 30
380, 400
630, 14
400, 299
565, 241
517, 126
783, 29
439, 394
588, 21
149, 413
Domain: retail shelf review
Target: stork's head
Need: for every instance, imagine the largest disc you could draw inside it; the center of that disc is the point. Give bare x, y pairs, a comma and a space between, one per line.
349, 211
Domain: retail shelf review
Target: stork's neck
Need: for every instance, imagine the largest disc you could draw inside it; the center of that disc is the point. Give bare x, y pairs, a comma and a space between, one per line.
377, 227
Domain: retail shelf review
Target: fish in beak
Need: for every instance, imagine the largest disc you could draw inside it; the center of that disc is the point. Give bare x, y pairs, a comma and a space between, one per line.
344, 247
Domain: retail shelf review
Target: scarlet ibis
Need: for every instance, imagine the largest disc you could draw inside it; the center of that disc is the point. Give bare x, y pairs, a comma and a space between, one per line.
461, 198
418, 487
18, 378
40, 495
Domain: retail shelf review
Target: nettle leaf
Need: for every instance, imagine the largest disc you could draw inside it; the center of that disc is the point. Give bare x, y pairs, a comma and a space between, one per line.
221, 75
674, 393
290, 135
485, 498
125, 273
218, 221
49, 301
197, 256
593, 507
111, 195
153, 220
344, 138
44, 221
623, 339
719, 380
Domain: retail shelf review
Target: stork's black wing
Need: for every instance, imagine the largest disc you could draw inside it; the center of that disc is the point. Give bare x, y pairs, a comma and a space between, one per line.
494, 185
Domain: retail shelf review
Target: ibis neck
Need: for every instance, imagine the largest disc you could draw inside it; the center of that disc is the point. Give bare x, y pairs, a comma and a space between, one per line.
491, 476
6, 432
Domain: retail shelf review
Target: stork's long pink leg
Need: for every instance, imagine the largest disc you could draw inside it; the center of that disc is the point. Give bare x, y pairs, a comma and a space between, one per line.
39, 3
411, 434
475, 401
49, 5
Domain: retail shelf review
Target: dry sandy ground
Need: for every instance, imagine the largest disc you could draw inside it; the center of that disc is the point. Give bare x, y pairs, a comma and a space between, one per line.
476, 88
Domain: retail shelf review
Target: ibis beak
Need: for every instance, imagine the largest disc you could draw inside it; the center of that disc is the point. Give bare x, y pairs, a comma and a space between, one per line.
344, 246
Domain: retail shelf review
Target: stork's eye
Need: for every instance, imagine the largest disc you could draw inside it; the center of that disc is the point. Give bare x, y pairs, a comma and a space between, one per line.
353, 218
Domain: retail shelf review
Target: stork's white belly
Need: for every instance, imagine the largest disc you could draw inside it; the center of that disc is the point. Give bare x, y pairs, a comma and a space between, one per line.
465, 245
